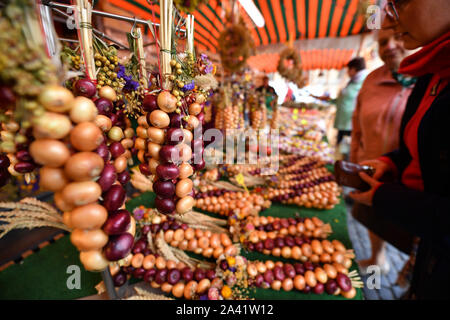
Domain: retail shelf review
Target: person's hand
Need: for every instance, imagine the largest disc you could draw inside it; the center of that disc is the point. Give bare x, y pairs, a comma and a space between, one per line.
366, 197
380, 167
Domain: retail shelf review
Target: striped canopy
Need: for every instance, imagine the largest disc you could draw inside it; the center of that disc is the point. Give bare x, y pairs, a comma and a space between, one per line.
284, 19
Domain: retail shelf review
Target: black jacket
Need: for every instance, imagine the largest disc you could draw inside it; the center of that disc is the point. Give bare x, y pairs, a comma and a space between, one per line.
424, 214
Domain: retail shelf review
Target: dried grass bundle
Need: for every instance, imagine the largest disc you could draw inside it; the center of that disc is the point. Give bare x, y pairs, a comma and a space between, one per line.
206, 82
140, 181
29, 213
142, 294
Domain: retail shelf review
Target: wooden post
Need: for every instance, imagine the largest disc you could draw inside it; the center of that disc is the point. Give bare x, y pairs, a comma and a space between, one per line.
165, 35
84, 10
141, 57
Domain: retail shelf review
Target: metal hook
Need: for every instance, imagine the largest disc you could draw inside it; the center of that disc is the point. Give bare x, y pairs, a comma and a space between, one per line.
132, 30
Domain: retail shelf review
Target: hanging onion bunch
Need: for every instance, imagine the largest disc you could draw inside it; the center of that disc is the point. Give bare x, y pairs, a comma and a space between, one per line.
294, 72
235, 47
25, 70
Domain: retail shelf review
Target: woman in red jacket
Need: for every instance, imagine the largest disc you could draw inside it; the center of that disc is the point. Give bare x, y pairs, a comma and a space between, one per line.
419, 200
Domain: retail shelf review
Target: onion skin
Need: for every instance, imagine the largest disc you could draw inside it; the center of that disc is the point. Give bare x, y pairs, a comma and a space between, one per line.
83, 109
83, 166
86, 136
81, 193
55, 98
103, 122
185, 170
104, 106
52, 179
86, 240
195, 109
114, 198
183, 187
48, 152
108, 93
156, 135
117, 222
149, 103
185, 205
85, 88
107, 177
93, 260
159, 119
91, 216
52, 126
119, 246
167, 102
103, 152
167, 171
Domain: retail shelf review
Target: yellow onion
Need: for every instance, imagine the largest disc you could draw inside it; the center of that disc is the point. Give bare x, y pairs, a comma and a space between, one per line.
48, 152
153, 150
167, 102
93, 260
185, 204
83, 109
200, 98
159, 119
67, 219
52, 125
56, 98
108, 93
195, 109
81, 193
103, 122
83, 166
187, 136
60, 203
86, 240
185, 170
183, 187
185, 152
192, 122
90, 216
115, 134
152, 164
155, 135
86, 136
52, 179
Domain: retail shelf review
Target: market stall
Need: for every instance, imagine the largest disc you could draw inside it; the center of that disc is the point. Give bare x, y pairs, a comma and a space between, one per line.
122, 143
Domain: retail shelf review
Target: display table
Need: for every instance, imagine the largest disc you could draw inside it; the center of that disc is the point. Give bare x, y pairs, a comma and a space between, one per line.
43, 275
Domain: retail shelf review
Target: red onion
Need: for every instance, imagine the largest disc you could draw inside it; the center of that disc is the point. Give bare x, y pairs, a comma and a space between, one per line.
173, 276
331, 286
279, 242
278, 273
167, 171
174, 136
114, 118
164, 189
344, 282
165, 206
161, 276
103, 152
118, 247
7, 97
107, 177
176, 120
199, 274
104, 106
170, 154
269, 244
117, 222
149, 103
201, 118
85, 88
187, 274
149, 276
24, 167
197, 146
116, 149
139, 273
289, 270
4, 161
259, 280
119, 279
114, 198
268, 276
145, 169
319, 288
200, 165
123, 177
23, 155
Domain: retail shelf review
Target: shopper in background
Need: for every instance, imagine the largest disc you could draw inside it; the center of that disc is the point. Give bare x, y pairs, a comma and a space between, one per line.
376, 124
346, 100
269, 94
420, 200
